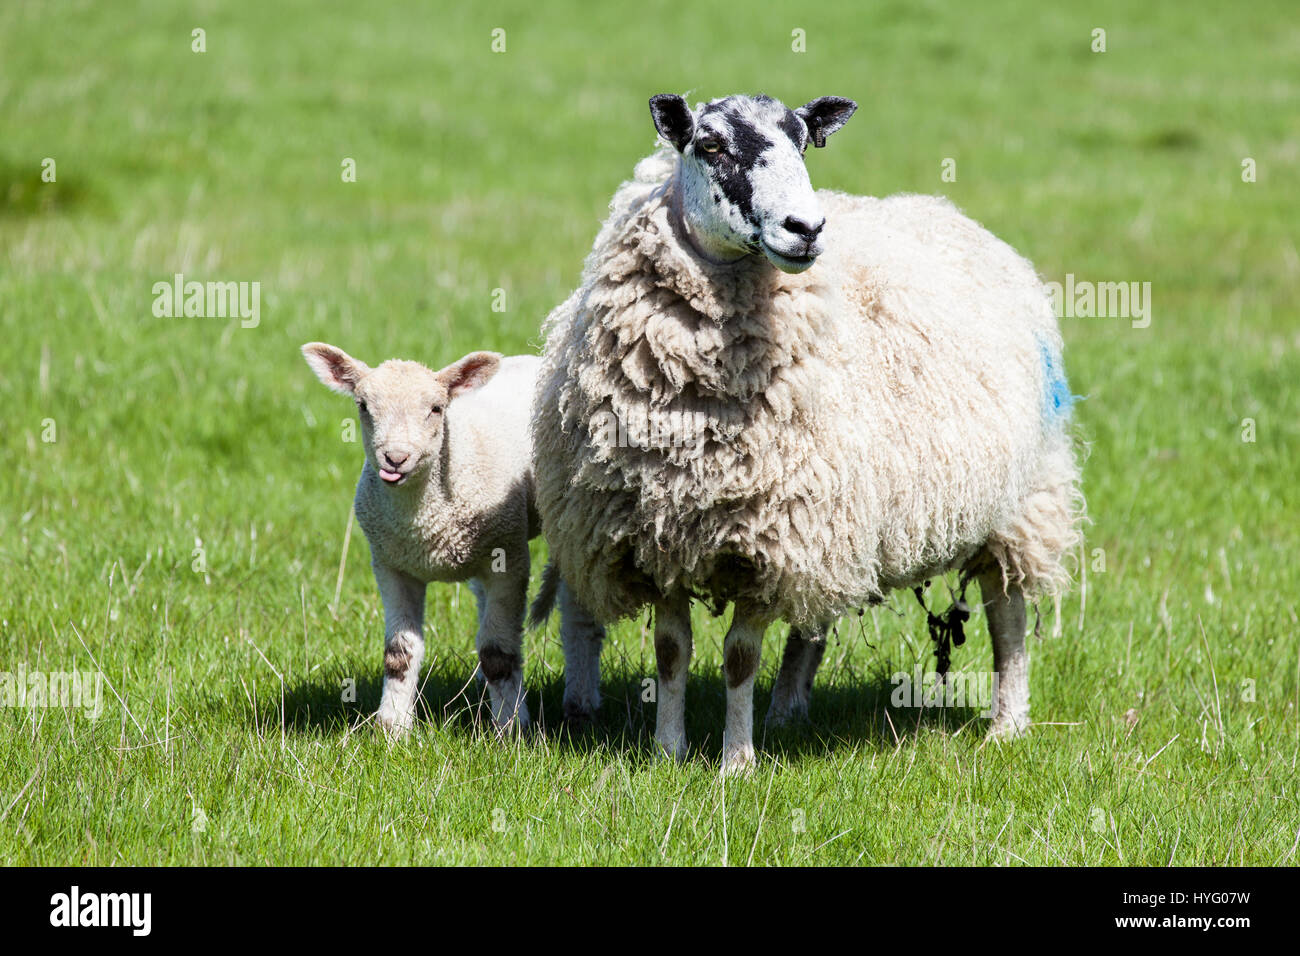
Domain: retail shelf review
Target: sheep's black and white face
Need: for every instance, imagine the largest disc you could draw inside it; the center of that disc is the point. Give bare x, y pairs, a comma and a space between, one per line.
745, 188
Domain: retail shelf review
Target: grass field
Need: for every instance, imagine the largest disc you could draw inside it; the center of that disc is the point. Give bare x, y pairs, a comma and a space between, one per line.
175, 491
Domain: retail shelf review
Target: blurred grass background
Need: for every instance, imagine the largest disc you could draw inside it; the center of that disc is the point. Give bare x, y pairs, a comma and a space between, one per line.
479, 171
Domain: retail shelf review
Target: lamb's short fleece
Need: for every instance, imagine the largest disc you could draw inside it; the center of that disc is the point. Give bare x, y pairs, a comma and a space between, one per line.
446, 494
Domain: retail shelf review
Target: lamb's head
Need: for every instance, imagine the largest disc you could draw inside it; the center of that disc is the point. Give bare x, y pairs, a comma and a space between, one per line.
744, 186
402, 405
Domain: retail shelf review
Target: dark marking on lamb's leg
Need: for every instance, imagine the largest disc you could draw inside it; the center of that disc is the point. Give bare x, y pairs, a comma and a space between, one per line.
500, 642
397, 660
403, 598
502, 668
498, 664
792, 692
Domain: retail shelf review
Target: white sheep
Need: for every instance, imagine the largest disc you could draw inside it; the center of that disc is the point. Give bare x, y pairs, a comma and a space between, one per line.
716, 418
446, 494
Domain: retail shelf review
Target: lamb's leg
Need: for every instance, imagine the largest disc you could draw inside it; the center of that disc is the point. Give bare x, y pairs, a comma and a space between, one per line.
403, 598
792, 691
740, 655
1006, 617
582, 637
673, 659
500, 642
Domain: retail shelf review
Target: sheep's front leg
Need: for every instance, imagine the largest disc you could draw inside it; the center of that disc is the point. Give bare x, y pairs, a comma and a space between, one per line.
673, 661
500, 641
403, 598
793, 689
1006, 617
741, 651
582, 637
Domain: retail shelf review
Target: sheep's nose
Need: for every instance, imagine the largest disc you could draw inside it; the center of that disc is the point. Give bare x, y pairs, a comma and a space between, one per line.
802, 227
396, 459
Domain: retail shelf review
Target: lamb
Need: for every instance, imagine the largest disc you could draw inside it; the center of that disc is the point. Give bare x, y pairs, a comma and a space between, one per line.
446, 493
716, 418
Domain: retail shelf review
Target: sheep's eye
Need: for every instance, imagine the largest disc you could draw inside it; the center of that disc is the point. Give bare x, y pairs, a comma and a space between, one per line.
710, 144
436, 410
361, 404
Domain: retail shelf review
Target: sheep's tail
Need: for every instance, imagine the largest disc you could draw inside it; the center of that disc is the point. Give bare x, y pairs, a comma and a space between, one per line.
545, 600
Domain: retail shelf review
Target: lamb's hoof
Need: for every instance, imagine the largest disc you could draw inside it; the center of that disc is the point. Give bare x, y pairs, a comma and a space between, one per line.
1005, 729
738, 762
515, 726
393, 726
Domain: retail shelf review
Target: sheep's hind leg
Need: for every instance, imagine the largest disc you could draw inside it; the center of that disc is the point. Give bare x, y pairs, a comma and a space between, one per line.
582, 637
673, 660
500, 646
1006, 617
403, 598
741, 651
792, 692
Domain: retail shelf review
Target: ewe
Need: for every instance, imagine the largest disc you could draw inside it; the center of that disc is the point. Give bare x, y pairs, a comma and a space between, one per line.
446, 494
798, 441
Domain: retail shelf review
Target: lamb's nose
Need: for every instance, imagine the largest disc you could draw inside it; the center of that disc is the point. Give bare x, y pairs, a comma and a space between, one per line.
802, 227
396, 458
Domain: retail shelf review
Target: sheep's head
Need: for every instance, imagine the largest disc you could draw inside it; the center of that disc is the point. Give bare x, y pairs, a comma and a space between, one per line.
744, 185
402, 405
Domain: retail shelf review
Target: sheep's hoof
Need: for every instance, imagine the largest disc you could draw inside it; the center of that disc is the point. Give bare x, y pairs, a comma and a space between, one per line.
738, 762
1006, 729
790, 714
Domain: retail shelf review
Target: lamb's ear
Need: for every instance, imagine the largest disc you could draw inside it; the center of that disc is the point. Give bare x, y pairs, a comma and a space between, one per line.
471, 372
335, 367
824, 116
673, 119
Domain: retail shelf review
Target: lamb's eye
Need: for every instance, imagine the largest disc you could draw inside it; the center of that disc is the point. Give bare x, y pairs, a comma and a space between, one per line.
361, 405
436, 410
710, 144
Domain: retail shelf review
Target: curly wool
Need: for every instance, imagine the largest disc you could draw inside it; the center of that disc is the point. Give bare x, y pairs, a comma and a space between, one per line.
801, 443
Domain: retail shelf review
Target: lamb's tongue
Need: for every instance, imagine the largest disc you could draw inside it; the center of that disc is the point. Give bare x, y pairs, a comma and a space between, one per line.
388, 475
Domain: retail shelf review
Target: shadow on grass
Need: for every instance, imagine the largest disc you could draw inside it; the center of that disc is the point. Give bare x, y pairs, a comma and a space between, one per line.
845, 714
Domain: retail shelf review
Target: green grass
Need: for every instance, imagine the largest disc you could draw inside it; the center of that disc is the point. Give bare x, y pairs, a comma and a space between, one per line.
480, 171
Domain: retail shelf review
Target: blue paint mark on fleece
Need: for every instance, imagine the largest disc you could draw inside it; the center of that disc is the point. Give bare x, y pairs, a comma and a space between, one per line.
1058, 400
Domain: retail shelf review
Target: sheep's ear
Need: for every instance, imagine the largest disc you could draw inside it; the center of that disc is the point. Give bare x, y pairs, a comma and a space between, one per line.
471, 372
824, 116
673, 119
335, 367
